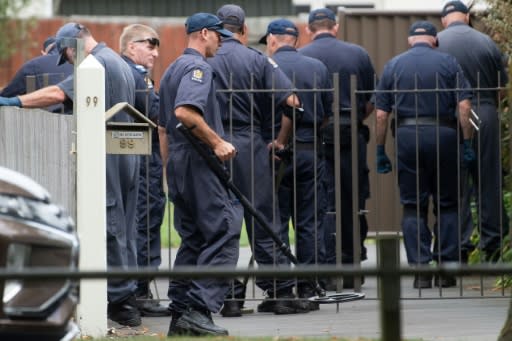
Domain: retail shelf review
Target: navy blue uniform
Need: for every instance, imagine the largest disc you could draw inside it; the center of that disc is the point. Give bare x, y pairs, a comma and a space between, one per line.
301, 192
206, 216
481, 61
151, 200
46, 72
434, 146
243, 114
346, 59
122, 175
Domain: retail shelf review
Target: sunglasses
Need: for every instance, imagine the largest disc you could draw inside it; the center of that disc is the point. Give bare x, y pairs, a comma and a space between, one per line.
151, 41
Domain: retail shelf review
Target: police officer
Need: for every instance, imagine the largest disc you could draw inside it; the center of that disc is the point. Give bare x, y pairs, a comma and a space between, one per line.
122, 170
45, 71
243, 116
427, 143
483, 66
301, 191
346, 59
206, 215
139, 48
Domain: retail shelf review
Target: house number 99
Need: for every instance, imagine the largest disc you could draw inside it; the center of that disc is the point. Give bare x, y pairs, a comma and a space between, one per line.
126, 143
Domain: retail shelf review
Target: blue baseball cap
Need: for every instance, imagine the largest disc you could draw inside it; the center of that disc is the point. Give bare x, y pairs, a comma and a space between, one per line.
231, 15
280, 26
422, 28
321, 14
198, 21
69, 30
454, 6
50, 40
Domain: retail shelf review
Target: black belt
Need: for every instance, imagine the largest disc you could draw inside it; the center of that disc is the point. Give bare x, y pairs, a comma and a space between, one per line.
345, 120
428, 121
240, 123
305, 146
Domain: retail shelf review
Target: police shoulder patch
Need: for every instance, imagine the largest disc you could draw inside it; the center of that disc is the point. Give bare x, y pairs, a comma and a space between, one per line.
272, 62
197, 75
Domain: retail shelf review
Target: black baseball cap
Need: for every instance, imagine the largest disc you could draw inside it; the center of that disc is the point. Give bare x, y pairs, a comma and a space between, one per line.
69, 30
231, 15
454, 6
320, 14
198, 21
280, 26
422, 28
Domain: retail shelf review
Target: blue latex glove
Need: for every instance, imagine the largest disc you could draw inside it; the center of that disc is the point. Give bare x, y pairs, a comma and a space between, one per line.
10, 102
383, 163
468, 155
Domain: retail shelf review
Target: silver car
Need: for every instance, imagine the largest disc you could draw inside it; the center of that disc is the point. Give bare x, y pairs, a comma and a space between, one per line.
34, 232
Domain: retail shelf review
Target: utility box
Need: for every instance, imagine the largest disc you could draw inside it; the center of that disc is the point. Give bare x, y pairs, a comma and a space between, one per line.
132, 138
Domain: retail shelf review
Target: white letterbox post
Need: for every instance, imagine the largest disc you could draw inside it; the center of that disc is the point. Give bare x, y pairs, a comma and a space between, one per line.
91, 194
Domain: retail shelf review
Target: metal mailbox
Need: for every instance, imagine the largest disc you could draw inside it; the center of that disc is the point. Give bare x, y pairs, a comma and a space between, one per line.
128, 137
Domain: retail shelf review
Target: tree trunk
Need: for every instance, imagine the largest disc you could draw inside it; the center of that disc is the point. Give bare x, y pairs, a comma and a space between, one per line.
506, 331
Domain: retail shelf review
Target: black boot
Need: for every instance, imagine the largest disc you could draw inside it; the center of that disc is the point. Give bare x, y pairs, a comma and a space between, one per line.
305, 292
174, 330
348, 282
445, 281
124, 312
231, 309
284, 304
198, 322
422, 282
149, 307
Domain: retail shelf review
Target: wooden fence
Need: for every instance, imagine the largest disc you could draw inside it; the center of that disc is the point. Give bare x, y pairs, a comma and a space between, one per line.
39, 144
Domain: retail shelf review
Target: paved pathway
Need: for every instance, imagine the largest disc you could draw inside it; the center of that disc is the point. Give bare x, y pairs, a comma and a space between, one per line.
449, 319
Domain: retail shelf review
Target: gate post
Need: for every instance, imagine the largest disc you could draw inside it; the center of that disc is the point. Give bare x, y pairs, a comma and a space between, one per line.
388, 258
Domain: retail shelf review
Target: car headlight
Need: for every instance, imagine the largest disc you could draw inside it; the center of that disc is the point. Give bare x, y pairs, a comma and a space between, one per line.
18, 256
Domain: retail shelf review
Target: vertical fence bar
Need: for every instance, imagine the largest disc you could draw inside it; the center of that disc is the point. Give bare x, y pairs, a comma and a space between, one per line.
337, 178
354, 134
389, 286
30, 83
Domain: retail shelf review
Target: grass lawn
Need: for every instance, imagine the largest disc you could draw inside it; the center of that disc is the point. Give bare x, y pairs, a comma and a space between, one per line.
232, 338
171, 238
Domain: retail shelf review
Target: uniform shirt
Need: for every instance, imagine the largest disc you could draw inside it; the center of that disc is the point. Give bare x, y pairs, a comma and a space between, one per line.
116, 72
188, 81
121, 170
422, 67
346, 59
307, 73
45, 71
239, 67
478, 56
146, 99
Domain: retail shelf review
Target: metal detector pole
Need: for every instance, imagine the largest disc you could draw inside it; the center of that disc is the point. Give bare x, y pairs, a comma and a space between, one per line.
217, 167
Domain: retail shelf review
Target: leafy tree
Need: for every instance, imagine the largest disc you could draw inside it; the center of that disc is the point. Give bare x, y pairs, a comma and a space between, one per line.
497, 20
11, 32
499, 12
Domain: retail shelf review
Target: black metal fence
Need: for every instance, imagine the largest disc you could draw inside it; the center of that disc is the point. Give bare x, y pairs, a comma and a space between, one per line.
385, 264
384, 209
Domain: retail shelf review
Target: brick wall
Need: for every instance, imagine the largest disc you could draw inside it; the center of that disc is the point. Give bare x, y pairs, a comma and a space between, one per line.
172, 37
